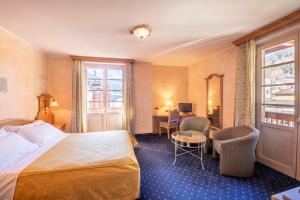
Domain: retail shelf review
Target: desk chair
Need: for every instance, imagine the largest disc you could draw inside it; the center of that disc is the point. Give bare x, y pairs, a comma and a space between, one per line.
172, 122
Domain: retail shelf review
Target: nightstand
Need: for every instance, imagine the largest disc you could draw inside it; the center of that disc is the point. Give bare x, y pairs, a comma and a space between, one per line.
60, 126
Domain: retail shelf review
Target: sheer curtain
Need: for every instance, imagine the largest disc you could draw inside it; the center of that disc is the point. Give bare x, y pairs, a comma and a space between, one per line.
129, 102
79, 118
245, 85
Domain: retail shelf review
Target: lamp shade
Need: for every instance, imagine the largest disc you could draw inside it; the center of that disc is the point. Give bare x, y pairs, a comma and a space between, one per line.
53, 103
169, 103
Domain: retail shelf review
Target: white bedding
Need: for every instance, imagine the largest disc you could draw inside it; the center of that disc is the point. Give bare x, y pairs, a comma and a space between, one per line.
14, 147
38, 132
9, 176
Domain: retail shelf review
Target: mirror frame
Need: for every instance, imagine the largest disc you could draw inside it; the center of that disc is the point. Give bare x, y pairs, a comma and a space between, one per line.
221, 97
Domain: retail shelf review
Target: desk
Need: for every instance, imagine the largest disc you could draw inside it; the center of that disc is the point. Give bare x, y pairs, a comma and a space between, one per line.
156, 119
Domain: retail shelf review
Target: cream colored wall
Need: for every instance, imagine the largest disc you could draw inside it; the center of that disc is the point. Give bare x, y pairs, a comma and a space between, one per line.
24, 67
142, 78
223, 63
59, 85
29, 73
169, 83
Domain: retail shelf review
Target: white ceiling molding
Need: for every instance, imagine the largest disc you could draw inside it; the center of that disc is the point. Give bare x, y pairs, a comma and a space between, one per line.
213, 37
16, 37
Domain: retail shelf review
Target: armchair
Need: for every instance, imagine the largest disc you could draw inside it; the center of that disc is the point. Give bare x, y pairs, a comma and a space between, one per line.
200, 125
196, 124
236, 147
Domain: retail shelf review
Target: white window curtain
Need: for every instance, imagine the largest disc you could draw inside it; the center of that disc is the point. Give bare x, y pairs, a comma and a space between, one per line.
129, 102
245, 85
128, 97
79, 120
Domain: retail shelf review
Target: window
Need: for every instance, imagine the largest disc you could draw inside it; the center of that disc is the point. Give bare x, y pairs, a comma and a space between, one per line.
105, 103
115, 89
278, 84
95, 90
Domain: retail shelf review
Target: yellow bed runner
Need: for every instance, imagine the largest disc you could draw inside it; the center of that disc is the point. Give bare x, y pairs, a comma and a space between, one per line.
83, 166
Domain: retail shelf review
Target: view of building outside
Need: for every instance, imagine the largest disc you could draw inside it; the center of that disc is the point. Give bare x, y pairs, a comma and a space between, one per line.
95, 90
278, 84
104, 90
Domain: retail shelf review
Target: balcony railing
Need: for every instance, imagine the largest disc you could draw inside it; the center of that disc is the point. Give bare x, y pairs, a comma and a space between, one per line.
281, 119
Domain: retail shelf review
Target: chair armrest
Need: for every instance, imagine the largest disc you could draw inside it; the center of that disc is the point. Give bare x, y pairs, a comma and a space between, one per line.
206, 130
223, 134
237, 156
244, 145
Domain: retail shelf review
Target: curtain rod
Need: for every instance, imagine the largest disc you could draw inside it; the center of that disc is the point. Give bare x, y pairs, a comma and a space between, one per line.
284, 21
102, 59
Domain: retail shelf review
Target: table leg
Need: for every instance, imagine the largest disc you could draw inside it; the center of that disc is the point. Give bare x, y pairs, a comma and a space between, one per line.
175, 152
202, 156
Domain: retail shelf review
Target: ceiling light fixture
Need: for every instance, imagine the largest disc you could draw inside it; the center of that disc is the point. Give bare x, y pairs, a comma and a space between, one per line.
141, 31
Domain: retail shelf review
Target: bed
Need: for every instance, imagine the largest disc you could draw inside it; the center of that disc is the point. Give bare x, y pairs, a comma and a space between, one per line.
84, 166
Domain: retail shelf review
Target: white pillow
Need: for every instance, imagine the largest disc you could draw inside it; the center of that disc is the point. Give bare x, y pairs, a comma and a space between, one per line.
10, 128
13, 148
41, 133
3, 132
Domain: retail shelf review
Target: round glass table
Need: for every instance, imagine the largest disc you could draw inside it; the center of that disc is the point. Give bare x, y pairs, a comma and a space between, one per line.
184, 140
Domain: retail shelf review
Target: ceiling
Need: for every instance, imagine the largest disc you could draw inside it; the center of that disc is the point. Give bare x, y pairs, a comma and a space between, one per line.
184, 32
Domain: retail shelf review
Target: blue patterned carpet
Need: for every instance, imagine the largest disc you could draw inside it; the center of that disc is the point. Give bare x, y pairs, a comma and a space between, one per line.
186, 180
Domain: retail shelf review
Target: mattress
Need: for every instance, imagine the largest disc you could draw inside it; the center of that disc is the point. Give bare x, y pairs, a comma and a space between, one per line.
83, 167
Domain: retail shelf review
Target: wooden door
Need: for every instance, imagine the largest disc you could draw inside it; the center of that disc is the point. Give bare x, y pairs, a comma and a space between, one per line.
277, 104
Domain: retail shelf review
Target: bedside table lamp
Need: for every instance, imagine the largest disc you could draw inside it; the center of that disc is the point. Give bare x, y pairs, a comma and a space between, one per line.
45, 103
54, 103
45, 106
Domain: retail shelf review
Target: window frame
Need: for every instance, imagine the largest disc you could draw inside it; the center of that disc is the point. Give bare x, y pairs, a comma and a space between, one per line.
106, 101
259, 80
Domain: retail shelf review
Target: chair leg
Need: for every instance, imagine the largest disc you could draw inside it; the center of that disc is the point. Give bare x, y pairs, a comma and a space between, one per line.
159, 130
206, 149
168, 130
215, 154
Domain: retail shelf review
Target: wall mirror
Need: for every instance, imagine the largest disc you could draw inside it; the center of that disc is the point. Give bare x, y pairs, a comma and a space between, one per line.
214, 101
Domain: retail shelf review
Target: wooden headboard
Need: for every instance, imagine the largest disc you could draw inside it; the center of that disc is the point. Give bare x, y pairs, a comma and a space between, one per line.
14, 122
